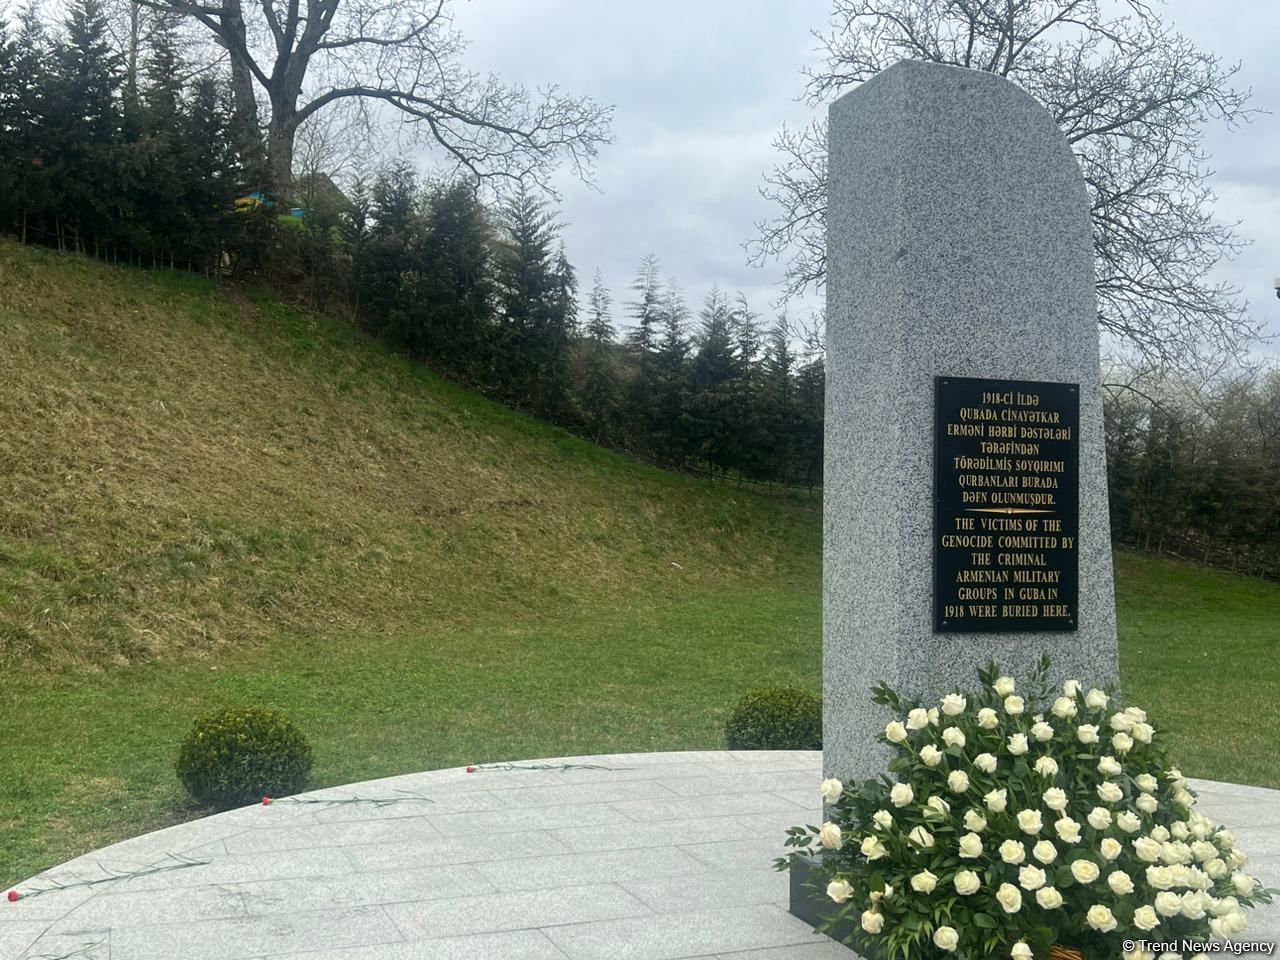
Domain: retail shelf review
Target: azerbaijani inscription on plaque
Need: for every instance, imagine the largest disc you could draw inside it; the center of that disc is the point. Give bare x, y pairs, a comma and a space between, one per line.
1006, 506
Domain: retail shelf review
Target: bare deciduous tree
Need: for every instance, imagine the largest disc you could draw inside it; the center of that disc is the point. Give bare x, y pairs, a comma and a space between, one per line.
1132, 98
305, 55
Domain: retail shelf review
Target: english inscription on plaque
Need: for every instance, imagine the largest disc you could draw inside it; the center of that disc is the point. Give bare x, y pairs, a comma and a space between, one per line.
1006, 506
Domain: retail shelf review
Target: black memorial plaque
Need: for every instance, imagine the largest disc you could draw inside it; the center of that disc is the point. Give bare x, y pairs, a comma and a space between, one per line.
1006, 506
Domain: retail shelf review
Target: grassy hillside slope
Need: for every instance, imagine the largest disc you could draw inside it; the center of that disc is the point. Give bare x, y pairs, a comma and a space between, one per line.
211, 499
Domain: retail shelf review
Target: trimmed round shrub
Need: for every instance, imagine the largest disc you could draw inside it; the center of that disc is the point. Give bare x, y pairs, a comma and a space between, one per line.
776, 718
237, 755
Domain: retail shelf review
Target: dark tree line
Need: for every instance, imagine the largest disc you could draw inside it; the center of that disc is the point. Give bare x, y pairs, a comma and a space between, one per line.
89, 162
1196, 472
489, 297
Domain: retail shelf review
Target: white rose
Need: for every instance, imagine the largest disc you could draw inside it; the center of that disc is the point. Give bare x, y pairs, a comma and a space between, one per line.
1012, 852
1136, 714
1095, 699
936, 808
1146, 782
1021, 951
958, 781
997, 800
931, 755
1236, 859
1087, 733
1122, 722
883, 819
1192, 906
873, 849
1173, 775
1014, 705
1144, 918
829, 836
1099, 818
1030, 877
1120, 883
1236, 921
985, 762
1009, 897
966, 882
1018, 744
872, 921
924, 882
1184, 798
1243, 884
1055, 798
970, 846
1225, 839
1168, 903
953, 737
1085, 871
1047, 767
1122, 742
1224, 906
1030, 821
1110, 848
895, 732
1071, 688
1147, 849
901, 794
1173, 852
933, 716
953, 704
1049, 898
1004, 686
1109, 792
839, 890
1068, 830
1128, 821
1203, 851
921, 837
917, 719
1159, 878
1109, 766
1143, 732
974, 821
1045, 852
831, 790
1218, 926
1216, 868
1146, 803
1042, 731
946, 938
1100, 918
1182, 831
987, 719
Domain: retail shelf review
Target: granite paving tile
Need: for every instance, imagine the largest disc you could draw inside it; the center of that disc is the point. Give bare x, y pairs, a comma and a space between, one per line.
508, 945
504, 847
609, 866
17, 935
514, 910
385, 887
255, 936
672, 936
653, 833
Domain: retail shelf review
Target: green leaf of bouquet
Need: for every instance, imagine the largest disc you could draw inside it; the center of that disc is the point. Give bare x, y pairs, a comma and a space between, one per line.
984, 921
1063, 878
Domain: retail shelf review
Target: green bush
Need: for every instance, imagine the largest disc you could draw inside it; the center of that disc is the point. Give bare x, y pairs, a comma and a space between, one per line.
237, 755
776, 718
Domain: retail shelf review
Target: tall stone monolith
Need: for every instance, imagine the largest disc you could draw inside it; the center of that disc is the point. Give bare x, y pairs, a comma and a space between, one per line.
965, 487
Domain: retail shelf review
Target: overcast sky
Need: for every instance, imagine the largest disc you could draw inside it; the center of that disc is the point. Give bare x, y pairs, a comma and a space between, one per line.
700, 88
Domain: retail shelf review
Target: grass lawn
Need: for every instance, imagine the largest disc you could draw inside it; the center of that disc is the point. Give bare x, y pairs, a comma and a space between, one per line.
211, 499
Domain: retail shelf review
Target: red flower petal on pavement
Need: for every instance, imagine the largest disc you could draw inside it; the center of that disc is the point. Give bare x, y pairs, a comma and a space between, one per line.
13, 896
266, 801
471, 769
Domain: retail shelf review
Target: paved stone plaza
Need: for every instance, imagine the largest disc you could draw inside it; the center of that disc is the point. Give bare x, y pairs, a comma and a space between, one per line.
662, 855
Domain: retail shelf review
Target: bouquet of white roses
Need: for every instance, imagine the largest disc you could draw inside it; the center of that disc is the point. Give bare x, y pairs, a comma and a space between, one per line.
1017, 824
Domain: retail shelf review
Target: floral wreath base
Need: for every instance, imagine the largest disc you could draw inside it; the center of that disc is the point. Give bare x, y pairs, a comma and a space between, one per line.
1049, 826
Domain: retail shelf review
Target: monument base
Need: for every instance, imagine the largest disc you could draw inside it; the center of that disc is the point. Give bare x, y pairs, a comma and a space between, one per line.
807, 904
